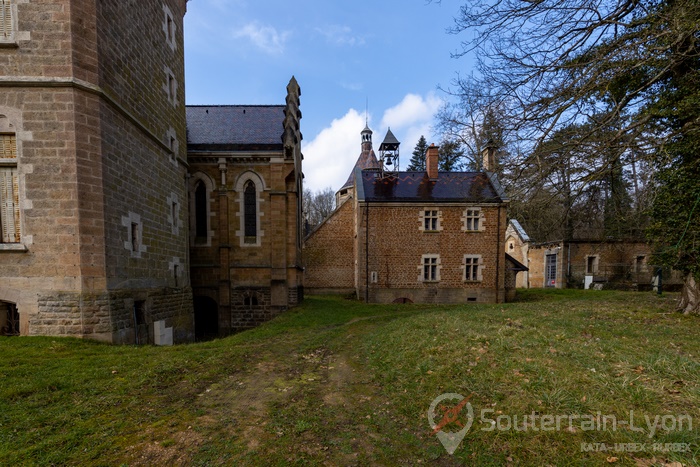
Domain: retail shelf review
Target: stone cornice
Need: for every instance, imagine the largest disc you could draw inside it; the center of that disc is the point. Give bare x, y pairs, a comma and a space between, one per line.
75, 83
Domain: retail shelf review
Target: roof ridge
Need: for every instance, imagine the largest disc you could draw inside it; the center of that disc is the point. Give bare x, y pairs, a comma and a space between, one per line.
235, 105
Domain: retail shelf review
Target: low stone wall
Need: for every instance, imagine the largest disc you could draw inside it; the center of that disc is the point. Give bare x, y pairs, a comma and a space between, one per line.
110, 316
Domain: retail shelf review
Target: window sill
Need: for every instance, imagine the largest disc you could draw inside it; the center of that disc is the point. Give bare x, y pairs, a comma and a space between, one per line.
8, 45
12, 247
436, 281
473, 282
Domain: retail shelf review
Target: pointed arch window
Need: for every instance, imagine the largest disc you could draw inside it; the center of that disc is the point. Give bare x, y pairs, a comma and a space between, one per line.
250, 222
201, 218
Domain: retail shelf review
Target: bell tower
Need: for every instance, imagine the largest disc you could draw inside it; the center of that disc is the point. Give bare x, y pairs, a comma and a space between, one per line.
389, 155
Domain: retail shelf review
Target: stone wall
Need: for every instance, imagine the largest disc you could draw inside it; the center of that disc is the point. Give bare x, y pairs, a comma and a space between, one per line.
98, 138
109, 316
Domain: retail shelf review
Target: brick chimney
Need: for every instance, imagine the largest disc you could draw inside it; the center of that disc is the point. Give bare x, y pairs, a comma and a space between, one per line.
431, 162
489, 156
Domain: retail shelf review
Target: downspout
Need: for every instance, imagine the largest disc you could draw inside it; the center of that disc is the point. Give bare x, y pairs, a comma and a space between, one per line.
498, 253
568, 264
367, 251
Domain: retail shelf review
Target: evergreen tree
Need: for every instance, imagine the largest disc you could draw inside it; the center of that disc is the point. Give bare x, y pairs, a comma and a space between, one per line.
417, 162
451, 156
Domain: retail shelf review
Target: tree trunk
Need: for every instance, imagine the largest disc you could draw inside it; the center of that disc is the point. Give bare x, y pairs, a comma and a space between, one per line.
690, 296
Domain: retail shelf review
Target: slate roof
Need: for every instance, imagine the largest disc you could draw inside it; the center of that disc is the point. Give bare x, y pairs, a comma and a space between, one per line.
367, 160
519, 228
475, 187
234, 126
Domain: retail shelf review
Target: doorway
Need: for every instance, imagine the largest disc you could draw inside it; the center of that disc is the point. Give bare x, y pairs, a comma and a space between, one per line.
206, 318
9, 319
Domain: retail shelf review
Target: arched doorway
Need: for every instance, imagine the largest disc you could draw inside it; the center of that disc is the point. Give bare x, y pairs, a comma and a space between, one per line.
206, 318
9, 319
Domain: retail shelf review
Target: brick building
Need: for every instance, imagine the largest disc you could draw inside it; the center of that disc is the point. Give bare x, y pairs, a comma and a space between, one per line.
245, 212
430, 237
92, 174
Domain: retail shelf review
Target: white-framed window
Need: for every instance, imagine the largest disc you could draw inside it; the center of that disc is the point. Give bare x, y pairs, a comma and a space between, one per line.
430, 220
174, 213
473, 220
134, 234
472, 267
10, 230
173, 144
169, 27
430, 268
170, 86
6, 28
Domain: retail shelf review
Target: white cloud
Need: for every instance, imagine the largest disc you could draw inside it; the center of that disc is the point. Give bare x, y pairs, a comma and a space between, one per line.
266, 38
412, 110
331, 155
340, 35
410, 119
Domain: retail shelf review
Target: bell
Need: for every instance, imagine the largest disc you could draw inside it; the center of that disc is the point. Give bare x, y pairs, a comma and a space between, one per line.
388, 161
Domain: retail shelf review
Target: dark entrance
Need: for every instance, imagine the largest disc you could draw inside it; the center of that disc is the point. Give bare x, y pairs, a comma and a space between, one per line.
9, 319
206, 318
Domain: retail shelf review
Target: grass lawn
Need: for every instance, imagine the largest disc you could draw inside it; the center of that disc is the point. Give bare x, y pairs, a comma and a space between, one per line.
337, 382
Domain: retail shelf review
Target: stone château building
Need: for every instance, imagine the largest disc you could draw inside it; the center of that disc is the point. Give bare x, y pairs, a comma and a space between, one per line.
100, 209
245, 212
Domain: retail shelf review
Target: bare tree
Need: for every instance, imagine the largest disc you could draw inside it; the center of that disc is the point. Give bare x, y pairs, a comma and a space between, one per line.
317, 206
623, 74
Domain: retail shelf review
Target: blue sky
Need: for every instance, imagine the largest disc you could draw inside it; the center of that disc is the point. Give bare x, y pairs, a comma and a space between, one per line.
391, 54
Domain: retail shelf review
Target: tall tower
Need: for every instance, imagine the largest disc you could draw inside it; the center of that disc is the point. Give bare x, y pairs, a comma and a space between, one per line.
367, 160
94, 131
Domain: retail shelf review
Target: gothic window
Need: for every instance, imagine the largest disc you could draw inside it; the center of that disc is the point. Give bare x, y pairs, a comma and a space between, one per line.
9, 190
250, 222
200, 208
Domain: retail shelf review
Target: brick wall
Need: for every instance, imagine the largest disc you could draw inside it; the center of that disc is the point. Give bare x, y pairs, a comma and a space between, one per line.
329, 253
396, 245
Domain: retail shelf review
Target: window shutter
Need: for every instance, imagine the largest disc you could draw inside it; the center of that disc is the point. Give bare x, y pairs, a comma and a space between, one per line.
8, 146
9, 205
5, 19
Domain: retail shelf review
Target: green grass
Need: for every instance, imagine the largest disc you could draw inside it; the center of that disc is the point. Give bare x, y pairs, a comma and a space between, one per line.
338, 382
